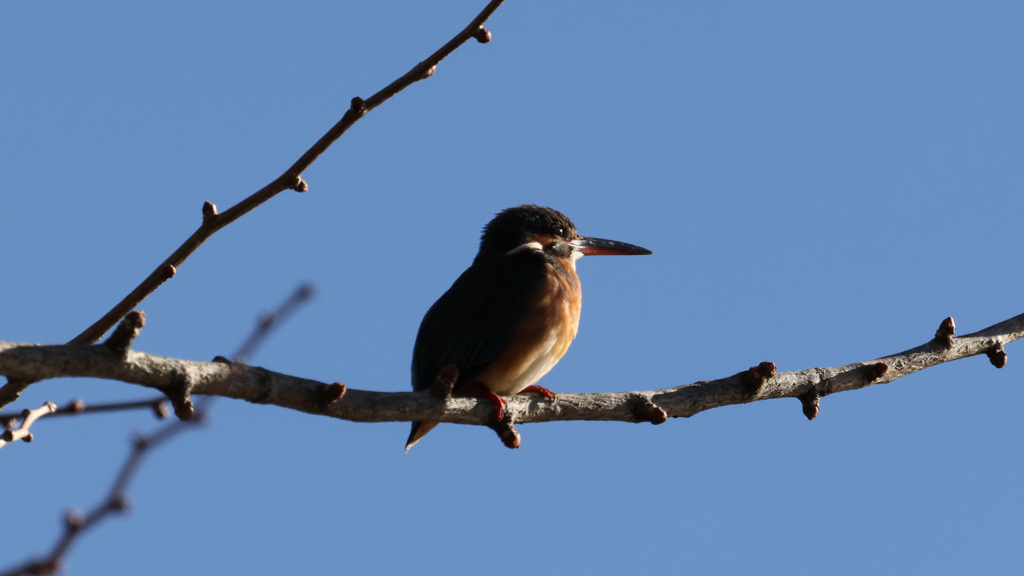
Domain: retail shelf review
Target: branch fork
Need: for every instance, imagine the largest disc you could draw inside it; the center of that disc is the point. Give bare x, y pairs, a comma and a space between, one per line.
29, 418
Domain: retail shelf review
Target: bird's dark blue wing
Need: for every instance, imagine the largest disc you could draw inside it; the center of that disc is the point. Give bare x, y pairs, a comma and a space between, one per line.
474, 320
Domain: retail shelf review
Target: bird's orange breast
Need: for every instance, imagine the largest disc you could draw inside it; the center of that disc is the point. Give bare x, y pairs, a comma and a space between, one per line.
543, 335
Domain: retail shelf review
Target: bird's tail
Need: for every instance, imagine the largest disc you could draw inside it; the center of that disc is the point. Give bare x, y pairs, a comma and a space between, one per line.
419, 430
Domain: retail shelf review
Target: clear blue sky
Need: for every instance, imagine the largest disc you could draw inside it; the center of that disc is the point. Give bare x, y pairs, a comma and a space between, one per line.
822, 183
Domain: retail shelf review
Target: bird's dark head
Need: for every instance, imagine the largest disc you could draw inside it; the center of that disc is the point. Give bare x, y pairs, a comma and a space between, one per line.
515, 227
531, 227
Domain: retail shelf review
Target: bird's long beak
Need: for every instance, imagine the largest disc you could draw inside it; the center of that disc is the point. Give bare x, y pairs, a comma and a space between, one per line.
601, 247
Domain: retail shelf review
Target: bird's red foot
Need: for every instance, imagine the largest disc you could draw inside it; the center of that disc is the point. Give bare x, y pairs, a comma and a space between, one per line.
499, 404
547, 394
478, 389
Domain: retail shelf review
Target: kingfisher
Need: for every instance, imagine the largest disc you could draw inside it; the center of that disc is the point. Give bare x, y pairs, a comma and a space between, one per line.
510, 317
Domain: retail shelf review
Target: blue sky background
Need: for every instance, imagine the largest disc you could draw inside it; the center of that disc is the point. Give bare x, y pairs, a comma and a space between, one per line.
822, 183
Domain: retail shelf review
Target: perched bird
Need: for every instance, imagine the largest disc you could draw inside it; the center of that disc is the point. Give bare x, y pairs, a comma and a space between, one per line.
510, 316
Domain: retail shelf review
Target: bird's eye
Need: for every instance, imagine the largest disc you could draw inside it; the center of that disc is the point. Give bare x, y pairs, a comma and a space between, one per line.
561, 231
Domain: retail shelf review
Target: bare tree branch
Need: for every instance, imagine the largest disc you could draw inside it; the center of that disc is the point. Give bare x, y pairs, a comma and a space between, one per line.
116, 501
28, 418
118, 344
120, 341
268, 321
78, 406
291, 179
263, 386
75, 524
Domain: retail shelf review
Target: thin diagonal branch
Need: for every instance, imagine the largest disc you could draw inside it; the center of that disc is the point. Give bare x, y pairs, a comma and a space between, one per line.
116, 501
268, 321
265, 387
291, 179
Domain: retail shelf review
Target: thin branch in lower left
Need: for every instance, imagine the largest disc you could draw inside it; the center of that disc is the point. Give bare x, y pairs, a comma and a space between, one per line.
75, 522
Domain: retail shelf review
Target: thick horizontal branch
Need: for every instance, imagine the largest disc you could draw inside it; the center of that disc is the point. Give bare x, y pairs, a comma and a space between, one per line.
174, 376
